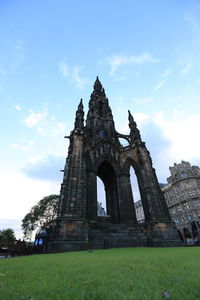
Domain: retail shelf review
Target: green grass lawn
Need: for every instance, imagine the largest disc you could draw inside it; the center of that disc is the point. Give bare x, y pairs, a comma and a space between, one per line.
113, 274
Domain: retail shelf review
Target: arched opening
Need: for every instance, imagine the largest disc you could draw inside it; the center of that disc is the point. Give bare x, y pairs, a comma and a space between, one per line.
107, 174
101, 199
136, 197
123, 142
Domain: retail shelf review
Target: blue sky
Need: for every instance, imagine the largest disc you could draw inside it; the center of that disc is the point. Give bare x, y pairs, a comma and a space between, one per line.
147, 56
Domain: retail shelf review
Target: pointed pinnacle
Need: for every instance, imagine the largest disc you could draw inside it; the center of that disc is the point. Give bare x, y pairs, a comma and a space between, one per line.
130, 117
97, 84
80, 106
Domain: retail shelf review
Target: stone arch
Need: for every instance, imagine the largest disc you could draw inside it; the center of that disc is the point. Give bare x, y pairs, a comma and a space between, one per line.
138, 173
112, 161
107, 174
130, 163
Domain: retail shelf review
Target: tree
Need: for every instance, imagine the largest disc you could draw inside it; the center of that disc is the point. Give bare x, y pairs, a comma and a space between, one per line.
40, 216
7, 235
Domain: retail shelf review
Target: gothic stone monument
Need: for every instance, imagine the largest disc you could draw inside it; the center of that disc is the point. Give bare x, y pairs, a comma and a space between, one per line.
95, 150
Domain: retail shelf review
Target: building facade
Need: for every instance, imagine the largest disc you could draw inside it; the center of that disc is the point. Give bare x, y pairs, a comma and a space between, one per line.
182, 195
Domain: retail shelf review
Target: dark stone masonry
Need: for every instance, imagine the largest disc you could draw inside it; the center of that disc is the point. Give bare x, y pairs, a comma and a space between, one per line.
95, 150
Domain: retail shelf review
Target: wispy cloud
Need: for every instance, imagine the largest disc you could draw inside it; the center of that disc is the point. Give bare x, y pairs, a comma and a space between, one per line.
63, 67
141, 118
116, 61
45, 167
23, 145
176, 129
158, 86
34, 118
20, 147
18, 107
79, 81
73, 74
162, 80
59, 128
186, 69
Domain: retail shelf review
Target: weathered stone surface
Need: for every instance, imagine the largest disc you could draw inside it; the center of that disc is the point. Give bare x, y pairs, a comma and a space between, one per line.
95, 150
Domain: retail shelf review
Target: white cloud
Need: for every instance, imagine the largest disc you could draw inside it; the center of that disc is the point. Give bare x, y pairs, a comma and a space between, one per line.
141, 118
58, 128
18, 107
34, 119
119, 60
184, 142
73, 73
63, 67
159, 85
163, 79
15, 224
32, 142
20, 147
79, 81
186, 69
25, 193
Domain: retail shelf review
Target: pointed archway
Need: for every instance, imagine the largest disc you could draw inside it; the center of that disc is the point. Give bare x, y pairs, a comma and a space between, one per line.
108, 176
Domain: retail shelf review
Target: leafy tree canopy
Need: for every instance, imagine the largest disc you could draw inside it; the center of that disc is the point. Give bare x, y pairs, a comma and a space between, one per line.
40, 216
7, 235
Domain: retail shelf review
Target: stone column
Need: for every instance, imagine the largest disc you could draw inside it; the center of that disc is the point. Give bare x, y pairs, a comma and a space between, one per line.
126, 205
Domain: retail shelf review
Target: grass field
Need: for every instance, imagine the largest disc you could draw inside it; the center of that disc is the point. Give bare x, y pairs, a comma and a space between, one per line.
113, 274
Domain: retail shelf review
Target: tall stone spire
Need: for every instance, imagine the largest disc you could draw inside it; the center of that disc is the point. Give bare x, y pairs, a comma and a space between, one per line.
98, 85
79, 121
99, 117
134, 131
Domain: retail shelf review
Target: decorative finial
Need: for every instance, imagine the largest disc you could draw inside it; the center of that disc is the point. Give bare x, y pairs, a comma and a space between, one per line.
134, 132
97, 85
80, 106
130, 117
79, 121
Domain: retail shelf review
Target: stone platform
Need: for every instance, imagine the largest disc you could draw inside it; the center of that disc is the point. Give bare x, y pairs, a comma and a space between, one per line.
76, 235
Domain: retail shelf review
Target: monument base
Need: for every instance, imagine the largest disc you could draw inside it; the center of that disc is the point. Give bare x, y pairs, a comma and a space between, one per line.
162, 234
77, 235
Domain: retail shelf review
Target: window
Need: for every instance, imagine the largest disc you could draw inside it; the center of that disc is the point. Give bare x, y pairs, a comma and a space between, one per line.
192, 193
185, 205
183, 175
182, 196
